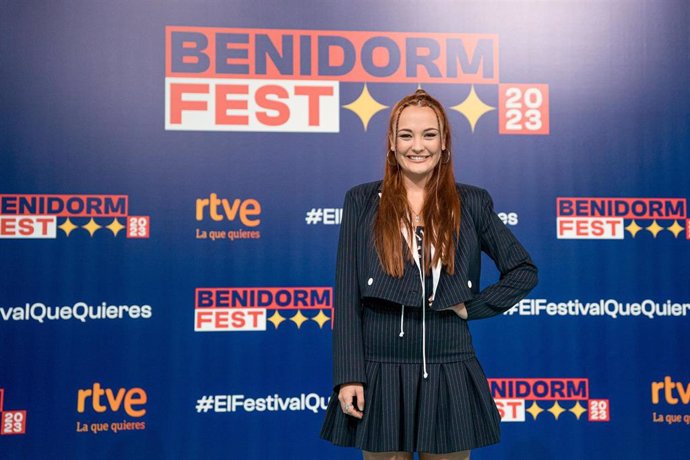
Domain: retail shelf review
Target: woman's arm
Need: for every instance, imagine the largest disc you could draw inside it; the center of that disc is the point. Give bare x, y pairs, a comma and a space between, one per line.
518, 272
348, 346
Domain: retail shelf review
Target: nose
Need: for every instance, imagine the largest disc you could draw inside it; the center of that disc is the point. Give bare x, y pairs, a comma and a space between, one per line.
417, 146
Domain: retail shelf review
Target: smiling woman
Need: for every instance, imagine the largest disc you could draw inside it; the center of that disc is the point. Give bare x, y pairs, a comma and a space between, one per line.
407, 281
418, 144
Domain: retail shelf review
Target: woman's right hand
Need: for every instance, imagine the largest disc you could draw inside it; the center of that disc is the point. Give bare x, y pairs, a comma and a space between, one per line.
348, 393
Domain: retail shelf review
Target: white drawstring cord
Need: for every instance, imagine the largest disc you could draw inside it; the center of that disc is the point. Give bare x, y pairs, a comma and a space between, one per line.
402, 317
423, 276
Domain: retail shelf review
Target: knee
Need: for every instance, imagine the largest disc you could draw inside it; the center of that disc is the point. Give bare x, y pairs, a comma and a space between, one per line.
386, 455
461, 455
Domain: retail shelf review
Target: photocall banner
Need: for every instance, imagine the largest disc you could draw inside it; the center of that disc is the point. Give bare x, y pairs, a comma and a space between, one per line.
172, 177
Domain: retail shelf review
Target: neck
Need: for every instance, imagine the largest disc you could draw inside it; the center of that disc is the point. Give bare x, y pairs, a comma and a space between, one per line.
415, 184
416, 193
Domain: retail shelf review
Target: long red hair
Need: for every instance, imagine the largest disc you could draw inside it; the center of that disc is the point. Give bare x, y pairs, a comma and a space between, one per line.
441, 211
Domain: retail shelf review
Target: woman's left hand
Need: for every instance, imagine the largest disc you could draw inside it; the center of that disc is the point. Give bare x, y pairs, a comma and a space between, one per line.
460, 310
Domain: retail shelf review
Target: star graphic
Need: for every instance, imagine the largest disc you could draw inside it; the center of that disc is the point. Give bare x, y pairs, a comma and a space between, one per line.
321, 319
473, 108
676, 228
556, 410
115, 227
654, 228
535, 410
276, 318
298, 319
578, 410
365, 106
67, 226
92, 226
633, 228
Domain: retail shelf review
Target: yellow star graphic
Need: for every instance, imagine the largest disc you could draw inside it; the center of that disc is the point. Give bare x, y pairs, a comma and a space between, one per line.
298, 319
276, 318
321, 319
676, 228
365, 106
92, 226
633, 228
578, 410
115, 227
535, 410
67, 226
473, 108
655, 228
556, 410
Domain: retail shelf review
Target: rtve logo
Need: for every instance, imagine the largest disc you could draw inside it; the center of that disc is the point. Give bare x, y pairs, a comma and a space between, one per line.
247, 210
101, 400
673, 392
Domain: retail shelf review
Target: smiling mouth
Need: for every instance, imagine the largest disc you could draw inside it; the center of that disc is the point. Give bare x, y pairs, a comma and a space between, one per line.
418, 157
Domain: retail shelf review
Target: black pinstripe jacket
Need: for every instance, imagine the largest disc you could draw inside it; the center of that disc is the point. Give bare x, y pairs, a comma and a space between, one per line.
359, 274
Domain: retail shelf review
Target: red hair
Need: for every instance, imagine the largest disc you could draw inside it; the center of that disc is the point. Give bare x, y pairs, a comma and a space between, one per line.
441, 211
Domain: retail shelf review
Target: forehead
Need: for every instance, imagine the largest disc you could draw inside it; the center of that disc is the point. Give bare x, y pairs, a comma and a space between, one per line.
416, 117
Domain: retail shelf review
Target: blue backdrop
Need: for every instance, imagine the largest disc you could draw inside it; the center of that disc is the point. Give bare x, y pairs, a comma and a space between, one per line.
171, 177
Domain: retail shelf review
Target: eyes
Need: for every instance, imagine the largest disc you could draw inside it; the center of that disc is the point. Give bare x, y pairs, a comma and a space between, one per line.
429, 135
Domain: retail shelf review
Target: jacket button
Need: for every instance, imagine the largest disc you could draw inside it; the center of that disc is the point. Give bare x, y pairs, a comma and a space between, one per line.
469, 284
371, 281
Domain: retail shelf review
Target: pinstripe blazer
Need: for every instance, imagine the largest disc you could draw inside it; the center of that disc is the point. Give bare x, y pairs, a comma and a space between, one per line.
360, 276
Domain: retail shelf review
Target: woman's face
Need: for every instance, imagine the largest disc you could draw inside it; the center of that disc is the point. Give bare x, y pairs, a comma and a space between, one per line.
418, 142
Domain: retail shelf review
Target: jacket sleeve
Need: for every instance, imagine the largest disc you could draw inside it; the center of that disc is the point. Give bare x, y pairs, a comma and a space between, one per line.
518, 272
348, 346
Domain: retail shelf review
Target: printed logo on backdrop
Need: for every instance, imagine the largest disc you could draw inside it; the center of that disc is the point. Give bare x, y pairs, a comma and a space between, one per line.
12, 421
333, 216
41, 216
671, 400
616, 218
244, 215
552, 398
239, 403
602, 308
234, 309
78, 311
288, 80
111, 410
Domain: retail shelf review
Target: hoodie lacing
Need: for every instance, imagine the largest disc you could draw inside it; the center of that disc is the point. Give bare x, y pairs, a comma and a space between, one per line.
402, 318
422, 277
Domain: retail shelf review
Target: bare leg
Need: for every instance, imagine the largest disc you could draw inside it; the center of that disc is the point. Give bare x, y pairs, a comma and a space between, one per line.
387, 455
461, 455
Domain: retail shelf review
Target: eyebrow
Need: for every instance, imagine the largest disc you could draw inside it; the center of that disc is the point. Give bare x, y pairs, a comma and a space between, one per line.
425, 130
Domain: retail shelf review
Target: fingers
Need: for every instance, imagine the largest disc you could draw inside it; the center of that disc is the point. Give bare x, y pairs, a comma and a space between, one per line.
359, 393
347, 395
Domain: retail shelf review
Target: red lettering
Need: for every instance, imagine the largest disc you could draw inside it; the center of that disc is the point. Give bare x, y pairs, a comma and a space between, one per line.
256, 314
564, 226
204, 317
222, 319
177, 104
238, 319
223, 104
7, 226
313, 94
264, 102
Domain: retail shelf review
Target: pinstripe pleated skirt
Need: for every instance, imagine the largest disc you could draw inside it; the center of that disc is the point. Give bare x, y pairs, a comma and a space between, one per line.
449, 411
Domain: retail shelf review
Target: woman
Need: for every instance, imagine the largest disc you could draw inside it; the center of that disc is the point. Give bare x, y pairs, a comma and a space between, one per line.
407, 280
